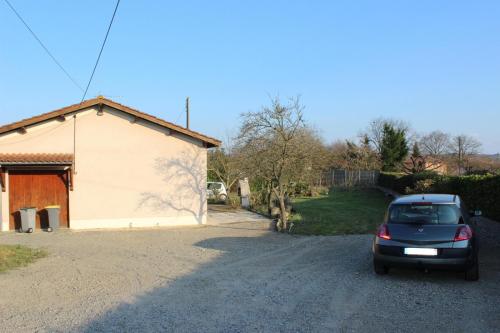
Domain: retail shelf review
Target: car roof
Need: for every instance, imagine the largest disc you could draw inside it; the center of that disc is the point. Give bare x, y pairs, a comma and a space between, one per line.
432, 198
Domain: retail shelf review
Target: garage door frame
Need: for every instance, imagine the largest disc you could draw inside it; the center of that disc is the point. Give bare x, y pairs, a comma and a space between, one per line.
63, 171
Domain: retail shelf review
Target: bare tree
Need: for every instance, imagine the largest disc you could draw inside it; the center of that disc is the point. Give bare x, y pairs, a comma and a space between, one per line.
417, 162
224, 164
318, 158
463, 147
272, 141
483, 164
374, 133
348, 155
414, 163
435, 144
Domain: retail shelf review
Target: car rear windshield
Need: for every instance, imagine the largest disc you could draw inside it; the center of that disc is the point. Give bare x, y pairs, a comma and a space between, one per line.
424, 214
214, 186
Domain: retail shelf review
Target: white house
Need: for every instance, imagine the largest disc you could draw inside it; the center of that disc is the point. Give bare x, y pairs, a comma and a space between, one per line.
106, 165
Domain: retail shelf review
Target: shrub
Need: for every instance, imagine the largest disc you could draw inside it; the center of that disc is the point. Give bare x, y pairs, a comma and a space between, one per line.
390, 180
315, 191
478, 191
421, 186
401, 182
300, 189
233, 200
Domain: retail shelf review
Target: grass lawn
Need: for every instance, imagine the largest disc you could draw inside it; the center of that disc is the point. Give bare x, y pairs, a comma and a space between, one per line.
12, 256
341, 212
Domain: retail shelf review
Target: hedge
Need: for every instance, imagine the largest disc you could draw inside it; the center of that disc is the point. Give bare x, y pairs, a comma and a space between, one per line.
478, 192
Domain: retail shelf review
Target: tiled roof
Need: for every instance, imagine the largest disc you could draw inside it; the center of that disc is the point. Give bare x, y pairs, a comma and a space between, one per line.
36, 159
211, 142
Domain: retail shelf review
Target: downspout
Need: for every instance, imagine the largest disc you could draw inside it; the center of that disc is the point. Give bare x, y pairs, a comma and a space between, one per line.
74, 144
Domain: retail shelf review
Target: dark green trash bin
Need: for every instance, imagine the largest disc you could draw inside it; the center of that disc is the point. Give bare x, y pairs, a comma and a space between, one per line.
53, 215
28, 219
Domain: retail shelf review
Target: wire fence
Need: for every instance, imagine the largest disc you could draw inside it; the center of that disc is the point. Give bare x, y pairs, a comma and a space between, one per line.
349, 178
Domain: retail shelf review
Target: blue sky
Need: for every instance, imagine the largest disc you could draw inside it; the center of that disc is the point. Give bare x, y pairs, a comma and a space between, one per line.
433, 63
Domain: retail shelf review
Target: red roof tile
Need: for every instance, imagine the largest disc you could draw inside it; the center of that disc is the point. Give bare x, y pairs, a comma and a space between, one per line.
36, 159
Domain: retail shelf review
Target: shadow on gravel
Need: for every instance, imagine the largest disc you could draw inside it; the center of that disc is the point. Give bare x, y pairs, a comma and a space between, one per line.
253, 285
278, 283
215, 297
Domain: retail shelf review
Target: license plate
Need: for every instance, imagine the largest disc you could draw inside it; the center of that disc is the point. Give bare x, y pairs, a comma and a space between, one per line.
421, 251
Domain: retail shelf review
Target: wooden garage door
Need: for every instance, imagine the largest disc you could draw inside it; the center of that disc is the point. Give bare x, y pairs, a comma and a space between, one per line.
38, 189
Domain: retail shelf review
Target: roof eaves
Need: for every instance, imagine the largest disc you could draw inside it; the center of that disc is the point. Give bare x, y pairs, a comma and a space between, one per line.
211, 142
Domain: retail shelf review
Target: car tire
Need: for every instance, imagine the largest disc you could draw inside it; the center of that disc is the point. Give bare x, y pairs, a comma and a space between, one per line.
472, 273
222, 197
380, 269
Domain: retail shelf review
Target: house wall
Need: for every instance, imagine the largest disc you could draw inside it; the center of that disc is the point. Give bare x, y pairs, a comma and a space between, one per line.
127, 173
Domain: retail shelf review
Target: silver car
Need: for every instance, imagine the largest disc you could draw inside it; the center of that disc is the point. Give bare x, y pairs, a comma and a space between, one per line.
431, 231
217, 191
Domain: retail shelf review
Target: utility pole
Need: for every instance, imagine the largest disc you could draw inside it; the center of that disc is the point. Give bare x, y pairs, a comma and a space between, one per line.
187, 112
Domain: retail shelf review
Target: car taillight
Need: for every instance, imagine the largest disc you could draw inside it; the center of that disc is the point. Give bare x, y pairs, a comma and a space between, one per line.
383, 232
463, 233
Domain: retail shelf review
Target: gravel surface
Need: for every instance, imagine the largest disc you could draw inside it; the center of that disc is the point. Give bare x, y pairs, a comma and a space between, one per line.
237, 278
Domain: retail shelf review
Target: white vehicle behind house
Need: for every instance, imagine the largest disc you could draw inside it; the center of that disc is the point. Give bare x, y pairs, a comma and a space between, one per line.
217, 191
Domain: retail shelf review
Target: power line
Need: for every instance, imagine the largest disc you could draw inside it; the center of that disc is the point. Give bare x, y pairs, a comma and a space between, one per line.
42, 45
100, 52
179, 116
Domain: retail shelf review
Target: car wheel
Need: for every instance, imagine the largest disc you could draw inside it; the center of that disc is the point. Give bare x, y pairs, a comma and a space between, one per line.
222, 197
380, 269
472, 273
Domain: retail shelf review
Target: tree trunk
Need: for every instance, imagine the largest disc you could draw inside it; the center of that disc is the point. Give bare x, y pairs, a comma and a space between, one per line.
283, 215
269, 197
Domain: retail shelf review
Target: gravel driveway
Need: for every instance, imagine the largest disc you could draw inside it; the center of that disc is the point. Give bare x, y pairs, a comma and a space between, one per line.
237, 277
